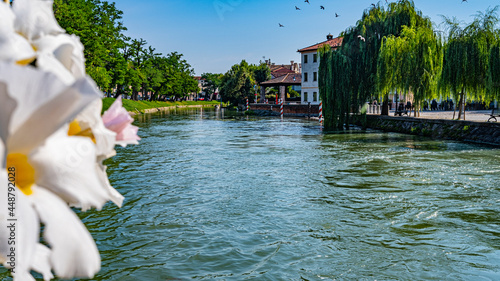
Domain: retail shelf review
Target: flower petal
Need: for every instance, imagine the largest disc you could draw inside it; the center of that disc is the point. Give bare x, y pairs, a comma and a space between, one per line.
35, 18
90, 118
114, 195
28, 233
13, 47
7, 17
73, 251
38, 116
7, 107
117, 119
41, 262
66, 166
19, 229
49, 63
4, 233
67, 49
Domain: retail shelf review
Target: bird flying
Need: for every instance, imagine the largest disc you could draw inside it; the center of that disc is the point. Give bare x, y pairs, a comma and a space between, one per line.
362, 38
321, 7
281, 25
337, 15
307, 1
297, 8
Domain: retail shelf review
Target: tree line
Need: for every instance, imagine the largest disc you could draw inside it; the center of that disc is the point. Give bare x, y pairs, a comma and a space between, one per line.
396, 49
120, 64
238, 83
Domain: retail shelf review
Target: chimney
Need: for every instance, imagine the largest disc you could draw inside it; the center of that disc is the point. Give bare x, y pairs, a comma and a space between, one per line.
291, 66
329, 37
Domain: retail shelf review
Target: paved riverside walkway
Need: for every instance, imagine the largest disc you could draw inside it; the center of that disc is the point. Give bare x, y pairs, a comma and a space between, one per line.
472, 115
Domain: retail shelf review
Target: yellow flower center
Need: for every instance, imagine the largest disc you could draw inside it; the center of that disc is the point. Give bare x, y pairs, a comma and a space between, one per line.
76, 130
25, 61
23, 172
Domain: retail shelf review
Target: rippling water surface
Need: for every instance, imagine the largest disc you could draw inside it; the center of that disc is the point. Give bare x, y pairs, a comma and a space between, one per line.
260, 199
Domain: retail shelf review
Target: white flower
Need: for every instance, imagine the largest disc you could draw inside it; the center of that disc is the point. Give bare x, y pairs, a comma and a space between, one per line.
28, 125
35, 19
90, 124
13, 47
62, 55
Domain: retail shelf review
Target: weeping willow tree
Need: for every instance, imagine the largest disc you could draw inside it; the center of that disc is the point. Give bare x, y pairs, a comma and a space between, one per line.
467, 58
334, 92
411, 63
359, 55
493, 86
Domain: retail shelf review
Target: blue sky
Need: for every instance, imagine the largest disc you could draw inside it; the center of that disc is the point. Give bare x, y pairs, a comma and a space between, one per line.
215, 34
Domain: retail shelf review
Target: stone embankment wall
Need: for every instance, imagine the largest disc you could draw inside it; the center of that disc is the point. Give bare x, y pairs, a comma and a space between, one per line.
467, 131
288, 109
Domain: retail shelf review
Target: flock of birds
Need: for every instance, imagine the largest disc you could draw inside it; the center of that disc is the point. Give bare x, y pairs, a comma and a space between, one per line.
337, 15
307, 1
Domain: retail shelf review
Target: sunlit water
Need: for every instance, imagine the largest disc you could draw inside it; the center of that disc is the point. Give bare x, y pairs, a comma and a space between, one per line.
263, 199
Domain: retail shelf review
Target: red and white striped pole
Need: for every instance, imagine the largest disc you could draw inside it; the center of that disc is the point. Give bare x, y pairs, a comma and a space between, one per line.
321, 112
281, 108
248, 107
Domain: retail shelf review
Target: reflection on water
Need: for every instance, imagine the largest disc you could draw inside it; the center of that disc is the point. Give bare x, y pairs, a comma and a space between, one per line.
234, 198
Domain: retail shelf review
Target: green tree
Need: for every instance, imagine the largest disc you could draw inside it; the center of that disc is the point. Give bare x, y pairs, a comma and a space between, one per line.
98, 24
466, 57
237, 84
212, 82
359, 53
412, 63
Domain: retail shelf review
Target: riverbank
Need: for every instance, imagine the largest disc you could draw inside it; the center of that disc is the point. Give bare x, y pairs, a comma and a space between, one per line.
139, 107
478, 132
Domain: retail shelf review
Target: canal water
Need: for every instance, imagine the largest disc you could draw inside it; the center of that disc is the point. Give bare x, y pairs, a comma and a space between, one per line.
213, 196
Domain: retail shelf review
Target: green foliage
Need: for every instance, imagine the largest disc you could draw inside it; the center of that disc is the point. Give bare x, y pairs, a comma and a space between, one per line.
292, 93
346, 88
411, 62
212, 82
494, 72
335, 88
115, 61
98, 24
238, 83
131, 105
261, 72
466, 65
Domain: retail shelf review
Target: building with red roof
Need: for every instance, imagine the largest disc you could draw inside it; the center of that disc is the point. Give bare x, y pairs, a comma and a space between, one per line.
310, 68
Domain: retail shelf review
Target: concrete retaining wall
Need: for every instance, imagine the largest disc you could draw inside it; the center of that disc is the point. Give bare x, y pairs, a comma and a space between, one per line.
288, 109
467, 131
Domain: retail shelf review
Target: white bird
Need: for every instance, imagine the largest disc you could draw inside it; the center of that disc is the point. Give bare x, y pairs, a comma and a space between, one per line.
362, 38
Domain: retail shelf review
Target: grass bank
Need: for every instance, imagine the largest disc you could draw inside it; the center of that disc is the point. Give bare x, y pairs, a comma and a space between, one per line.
131, 105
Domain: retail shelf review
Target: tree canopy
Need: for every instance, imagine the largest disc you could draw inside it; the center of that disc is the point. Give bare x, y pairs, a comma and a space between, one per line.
118, 63
466, 64
395, 48
241, 81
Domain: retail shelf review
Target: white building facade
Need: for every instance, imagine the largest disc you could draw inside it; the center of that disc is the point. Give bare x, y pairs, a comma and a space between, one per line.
310, 68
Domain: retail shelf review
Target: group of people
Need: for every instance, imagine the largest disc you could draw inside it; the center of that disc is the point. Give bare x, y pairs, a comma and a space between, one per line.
445, 105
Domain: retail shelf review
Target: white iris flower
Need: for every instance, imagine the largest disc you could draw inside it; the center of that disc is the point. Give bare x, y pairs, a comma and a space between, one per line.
33, 143
52, 144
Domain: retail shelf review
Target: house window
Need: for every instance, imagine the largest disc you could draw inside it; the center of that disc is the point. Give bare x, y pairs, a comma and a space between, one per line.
315, 76
315, 96
305, 96
305, 58
315, 57
305, 77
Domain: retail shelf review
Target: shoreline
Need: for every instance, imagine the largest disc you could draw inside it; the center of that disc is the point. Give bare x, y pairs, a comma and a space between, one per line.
158, 109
